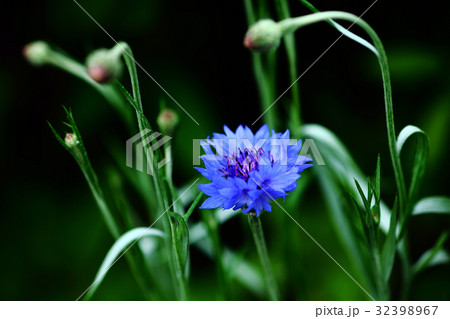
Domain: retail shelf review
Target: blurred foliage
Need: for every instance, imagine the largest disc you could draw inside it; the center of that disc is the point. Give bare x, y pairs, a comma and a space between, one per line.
53, 238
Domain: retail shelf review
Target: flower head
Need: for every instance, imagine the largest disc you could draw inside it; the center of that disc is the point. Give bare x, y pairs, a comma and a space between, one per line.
249, 170
263, 36
104, 65
71, 140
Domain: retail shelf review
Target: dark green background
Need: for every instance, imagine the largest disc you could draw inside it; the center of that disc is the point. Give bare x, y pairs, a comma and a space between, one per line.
52, 239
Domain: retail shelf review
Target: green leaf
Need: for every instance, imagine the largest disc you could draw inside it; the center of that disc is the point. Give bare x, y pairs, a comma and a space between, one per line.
120, 247
181, 239
378, 180
390, 244
433, 256
432, 205
364, 223
366, 216
421, 156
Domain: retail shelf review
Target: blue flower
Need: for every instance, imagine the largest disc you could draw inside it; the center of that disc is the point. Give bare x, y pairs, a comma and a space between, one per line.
249, 170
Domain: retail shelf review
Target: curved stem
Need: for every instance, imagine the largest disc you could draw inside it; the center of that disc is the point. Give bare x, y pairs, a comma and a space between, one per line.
258, 236
290, 25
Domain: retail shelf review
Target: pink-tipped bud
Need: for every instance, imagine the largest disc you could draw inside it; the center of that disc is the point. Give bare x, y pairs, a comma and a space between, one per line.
37, 52
263, 36
104, 65
167, 121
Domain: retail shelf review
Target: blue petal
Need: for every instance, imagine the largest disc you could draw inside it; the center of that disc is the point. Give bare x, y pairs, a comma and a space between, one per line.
209, 189
212, 202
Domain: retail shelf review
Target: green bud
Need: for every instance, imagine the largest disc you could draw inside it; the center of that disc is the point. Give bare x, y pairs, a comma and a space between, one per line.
37, 52
167, 121
71, 140
263, 36
104, 65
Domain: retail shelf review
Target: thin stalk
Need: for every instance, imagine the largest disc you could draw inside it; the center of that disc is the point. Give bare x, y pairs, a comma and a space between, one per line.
290, 25
265, 90
258, 236
143, 122
162, 192
178, 207
80, 155
291, 52
193, 206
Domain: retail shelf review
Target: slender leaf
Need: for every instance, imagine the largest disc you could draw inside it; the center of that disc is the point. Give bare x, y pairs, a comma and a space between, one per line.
421, 156
181, 237
432, 205
433, 256
364, 222
121, 245
389, 246
378, 180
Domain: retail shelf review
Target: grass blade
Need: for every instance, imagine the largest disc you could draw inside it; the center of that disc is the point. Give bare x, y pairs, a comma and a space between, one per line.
432, 256
121, 245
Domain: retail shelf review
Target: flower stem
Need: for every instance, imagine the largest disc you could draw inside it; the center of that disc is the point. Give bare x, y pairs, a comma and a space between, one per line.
291, 52
261, 70
258, 236
193, 206
290, 25
163, 190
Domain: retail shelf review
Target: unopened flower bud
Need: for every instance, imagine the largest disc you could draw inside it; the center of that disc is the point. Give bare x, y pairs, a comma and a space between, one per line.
37, 52
167, 121
104, 65
71, 140
263, 36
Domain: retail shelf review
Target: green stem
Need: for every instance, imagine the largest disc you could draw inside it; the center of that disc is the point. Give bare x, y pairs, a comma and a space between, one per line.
291, 52
265, 90
79, 153
159, 176
258, 236
193, 206
290, 25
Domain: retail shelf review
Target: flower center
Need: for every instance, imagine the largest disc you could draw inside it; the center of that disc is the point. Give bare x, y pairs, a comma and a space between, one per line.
242, 163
